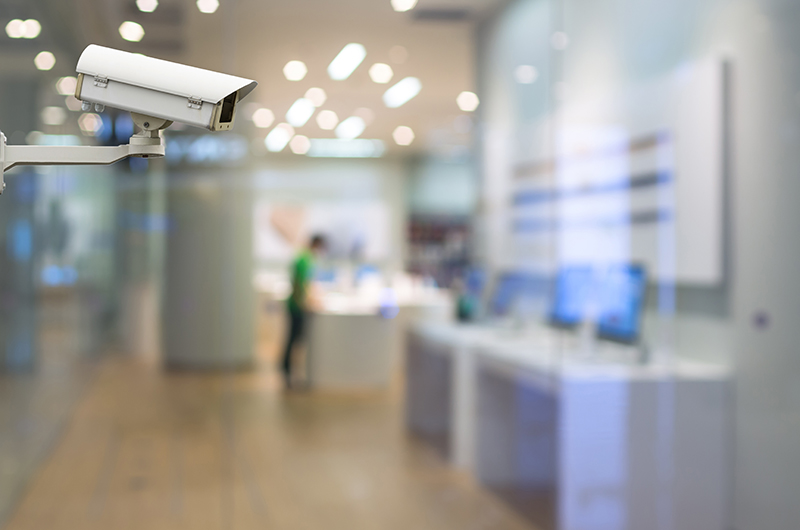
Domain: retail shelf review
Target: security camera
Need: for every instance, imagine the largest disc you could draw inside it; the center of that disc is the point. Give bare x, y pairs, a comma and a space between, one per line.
162, 89
157, 93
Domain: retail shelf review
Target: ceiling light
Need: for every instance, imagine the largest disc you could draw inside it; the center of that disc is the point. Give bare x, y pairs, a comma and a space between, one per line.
300, 112
333, 148
23, 29
14, 28
327, 120
317, 96
365, 114
90, 123
347, 61
131, 31
31, 29
525, 74
381, 73
207, 6
467, 101
73, 104
295, 70
403, 5
45, 61
300, 144
53, 116
147, 6
263, 118
66, 85
403, 135
350, 128
278, 137
402, 92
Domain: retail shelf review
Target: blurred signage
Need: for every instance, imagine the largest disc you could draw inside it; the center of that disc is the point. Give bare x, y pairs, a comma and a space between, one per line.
336, 148
207, 150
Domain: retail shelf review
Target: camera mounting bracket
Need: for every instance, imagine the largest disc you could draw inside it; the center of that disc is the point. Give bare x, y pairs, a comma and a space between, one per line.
148, 143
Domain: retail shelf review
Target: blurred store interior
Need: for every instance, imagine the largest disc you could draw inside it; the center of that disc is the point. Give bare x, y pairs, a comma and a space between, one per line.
535, 264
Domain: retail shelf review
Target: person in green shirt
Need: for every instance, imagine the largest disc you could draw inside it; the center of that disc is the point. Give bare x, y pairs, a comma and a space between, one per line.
302, 273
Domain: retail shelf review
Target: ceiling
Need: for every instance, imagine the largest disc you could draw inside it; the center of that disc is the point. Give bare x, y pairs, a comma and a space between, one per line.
256, 38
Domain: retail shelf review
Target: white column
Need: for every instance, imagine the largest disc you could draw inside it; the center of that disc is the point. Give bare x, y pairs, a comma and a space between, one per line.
208, 300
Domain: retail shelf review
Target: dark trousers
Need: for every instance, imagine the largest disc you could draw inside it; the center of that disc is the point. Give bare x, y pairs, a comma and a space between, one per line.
297, 321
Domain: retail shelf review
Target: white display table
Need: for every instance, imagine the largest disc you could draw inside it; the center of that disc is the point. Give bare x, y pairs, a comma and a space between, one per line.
350, 350
352, 344
573, 443
355, 340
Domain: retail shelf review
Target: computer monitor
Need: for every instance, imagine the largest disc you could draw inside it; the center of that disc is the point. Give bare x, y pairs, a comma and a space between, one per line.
572, 295
475, 281
516, 292
505, 290
622, 297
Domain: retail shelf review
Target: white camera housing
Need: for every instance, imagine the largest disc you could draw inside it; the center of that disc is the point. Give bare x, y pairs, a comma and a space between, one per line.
162, 89
155, 92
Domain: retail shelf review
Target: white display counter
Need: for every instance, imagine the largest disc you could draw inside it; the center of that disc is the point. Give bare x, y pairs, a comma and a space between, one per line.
350, 350
356, 337
355, 342
575, 441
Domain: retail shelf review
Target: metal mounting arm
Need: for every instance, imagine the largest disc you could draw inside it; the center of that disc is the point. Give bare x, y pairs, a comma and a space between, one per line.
148, 143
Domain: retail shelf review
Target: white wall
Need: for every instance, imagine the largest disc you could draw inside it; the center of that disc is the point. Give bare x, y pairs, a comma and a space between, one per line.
618, 43
442, 187
341, 182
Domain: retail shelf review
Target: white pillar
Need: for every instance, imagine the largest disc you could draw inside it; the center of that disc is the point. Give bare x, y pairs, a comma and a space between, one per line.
208, 299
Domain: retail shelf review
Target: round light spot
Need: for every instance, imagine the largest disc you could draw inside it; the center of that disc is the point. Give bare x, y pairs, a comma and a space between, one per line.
403, 135
53, 116
263, 118
208, 6
45, 61
327, 120
401, 6
381, 73
66, 85
295, 70
15, 28
147, 6
31, 29
467, 101
90, 123
300, 144
73, 104
131, 31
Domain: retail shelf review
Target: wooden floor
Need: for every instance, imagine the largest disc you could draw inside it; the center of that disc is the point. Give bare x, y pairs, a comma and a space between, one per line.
149, 450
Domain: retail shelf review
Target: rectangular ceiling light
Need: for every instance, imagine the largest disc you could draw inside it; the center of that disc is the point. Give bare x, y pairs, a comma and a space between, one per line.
350, 128
300, 112
278, 137
335, 148
347, 61
402, 92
